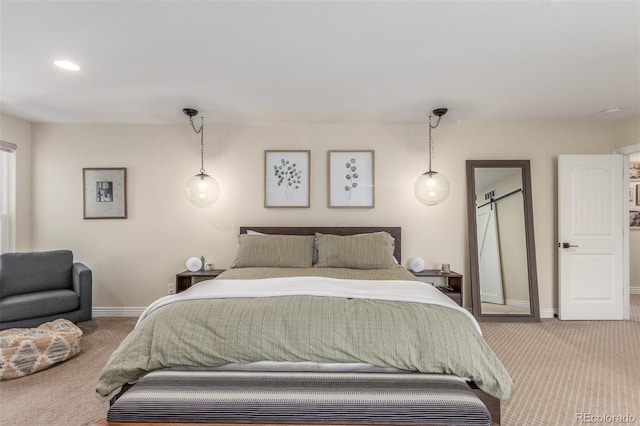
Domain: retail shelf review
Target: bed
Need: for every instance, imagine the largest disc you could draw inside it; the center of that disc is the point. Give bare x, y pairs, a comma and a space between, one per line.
310, 325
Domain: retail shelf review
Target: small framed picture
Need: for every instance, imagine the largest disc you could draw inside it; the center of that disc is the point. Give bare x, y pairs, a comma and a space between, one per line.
105, 193
634, 170
634, 219
287, 178
351, 179
637, 194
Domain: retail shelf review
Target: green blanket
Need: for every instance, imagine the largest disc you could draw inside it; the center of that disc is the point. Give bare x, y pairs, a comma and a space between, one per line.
215, 332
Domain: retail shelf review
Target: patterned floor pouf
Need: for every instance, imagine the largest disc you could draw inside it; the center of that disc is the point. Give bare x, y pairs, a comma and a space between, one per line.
27, 350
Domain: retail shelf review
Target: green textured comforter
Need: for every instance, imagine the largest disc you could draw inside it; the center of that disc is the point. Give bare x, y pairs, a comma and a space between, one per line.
404, 335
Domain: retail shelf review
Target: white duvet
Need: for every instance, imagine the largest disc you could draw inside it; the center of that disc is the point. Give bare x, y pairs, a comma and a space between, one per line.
392, 290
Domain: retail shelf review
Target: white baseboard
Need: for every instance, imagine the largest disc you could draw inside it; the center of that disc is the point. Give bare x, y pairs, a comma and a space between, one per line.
551, 313
117, 312
548, 313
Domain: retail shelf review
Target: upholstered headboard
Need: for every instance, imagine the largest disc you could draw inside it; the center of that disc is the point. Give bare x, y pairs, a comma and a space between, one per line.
394, 231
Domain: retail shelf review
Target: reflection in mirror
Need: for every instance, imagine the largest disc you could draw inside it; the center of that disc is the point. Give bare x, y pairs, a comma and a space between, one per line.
502, 250
504, 284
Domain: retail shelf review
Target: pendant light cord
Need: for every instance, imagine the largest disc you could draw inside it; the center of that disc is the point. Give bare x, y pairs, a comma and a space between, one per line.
201, 131
430, 140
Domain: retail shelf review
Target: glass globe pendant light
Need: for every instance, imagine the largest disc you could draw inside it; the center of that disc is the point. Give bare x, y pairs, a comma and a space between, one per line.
202, 190
431, 187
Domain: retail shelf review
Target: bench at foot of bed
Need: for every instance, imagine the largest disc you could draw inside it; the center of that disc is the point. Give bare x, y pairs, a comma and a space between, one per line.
229, 424
175, 397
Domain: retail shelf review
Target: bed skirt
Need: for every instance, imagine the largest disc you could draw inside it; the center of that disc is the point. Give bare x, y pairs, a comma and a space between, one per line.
314, 398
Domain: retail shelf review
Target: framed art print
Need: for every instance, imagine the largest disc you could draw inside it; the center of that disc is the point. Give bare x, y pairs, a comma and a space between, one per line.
105, 193
287, 178
634, 203
634, 195
634, 219
351, 179
634, 170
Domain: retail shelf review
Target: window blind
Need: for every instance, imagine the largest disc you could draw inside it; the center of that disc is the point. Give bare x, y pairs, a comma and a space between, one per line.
6, 178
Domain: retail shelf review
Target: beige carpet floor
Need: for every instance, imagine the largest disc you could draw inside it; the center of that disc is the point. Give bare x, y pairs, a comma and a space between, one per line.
64, 395
561, 370
564, 369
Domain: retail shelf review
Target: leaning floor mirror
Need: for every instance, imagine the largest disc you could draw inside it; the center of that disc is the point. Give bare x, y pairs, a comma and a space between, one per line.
504, 283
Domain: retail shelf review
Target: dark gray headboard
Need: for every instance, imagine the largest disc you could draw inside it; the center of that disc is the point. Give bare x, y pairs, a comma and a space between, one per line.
395, 231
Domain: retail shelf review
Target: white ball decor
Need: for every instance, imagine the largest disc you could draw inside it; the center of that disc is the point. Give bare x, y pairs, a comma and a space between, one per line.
194, 264
416, 264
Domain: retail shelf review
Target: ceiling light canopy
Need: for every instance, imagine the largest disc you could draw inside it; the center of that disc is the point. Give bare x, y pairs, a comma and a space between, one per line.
67, 65
431, 187
202, 190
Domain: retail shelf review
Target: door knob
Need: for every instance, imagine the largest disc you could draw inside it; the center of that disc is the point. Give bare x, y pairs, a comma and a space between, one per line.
567, 245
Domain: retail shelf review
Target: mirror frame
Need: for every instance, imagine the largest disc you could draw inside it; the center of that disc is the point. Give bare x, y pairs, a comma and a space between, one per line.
524, 166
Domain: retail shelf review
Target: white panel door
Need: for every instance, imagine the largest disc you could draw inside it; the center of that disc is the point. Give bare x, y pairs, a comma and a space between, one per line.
590, 226
490, 267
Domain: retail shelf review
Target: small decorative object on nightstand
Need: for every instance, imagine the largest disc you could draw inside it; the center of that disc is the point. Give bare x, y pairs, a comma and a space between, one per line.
416, 264
194, 264
449, 283
185, 279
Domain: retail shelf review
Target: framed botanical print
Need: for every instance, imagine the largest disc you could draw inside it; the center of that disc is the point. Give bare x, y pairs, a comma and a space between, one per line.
287, 178
105, 193
351, 179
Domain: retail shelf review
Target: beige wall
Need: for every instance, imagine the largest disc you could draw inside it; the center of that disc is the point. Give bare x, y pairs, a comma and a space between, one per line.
18, 131
627, 132
134, 259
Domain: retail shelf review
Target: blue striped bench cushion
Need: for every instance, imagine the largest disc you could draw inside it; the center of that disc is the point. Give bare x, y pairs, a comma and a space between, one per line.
299, 397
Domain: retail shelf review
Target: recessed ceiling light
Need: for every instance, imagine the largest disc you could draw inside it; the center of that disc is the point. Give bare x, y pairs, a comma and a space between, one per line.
611, 110
67, 65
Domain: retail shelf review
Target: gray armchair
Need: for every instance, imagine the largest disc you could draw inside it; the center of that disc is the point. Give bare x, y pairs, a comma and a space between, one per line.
38, 287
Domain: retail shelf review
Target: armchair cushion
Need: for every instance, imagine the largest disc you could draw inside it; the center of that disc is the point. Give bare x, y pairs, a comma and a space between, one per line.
43, 303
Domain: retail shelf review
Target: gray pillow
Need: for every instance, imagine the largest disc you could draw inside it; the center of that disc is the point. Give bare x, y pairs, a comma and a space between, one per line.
276, 251
361, 251
315, 243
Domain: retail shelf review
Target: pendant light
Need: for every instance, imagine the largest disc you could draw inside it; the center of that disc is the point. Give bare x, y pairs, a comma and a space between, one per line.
202, 190
431, 187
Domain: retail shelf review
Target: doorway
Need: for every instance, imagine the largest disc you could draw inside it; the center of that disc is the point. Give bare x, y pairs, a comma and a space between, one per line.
631, 237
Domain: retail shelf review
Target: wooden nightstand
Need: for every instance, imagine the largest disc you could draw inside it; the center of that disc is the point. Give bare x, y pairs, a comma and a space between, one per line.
185, 279
438, 278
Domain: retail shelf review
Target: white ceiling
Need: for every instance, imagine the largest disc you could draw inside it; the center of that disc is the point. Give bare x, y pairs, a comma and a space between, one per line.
320, 61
